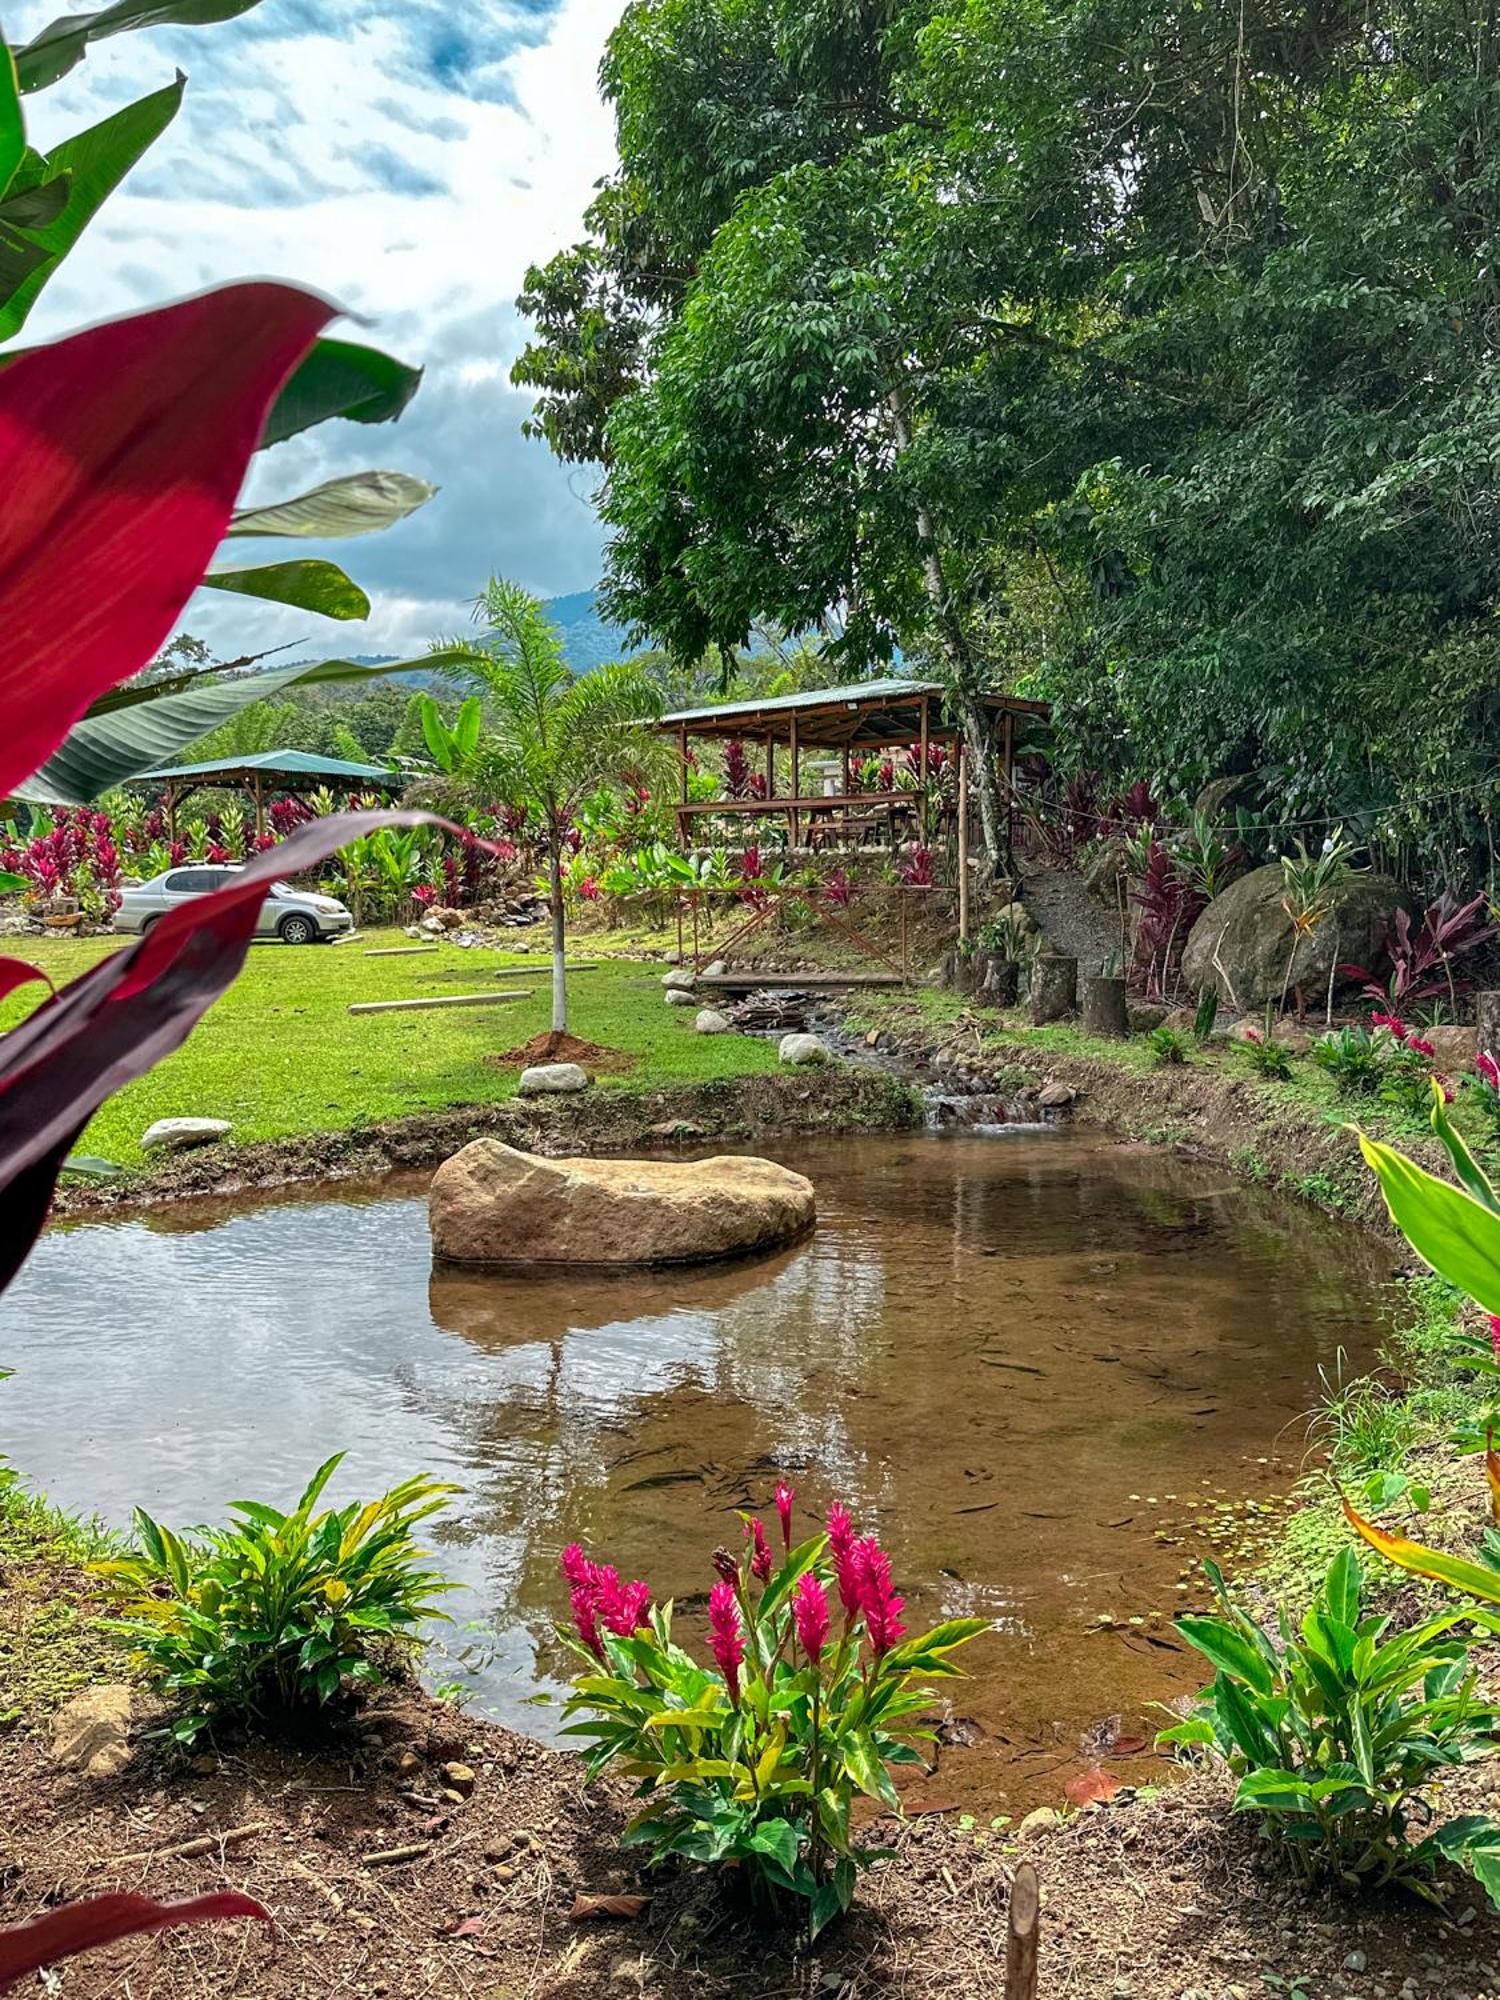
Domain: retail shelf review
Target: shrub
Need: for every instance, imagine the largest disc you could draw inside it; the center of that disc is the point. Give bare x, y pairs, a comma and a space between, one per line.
1336, 1732
1167, 1045
1266, 1057
268, 1617
815, 1692
1422, 961
1352, 1058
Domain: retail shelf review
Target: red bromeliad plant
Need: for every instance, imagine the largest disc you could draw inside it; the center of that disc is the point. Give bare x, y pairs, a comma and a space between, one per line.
755, 1762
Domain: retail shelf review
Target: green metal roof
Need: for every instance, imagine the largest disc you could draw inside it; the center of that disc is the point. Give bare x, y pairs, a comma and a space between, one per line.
858, 712
273, 764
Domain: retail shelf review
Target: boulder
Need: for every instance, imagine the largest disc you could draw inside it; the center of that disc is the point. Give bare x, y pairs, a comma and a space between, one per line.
491, 1204
680, 996
552, 1080
175, 1135
679, 976
797, 1049
1144, 1015
1250, 935
715, 971
1453, 1049
1053, 1095
91, 1733
711, 1022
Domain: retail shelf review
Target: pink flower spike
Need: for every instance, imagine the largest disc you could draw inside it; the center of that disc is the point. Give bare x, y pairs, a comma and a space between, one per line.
785, 1495
1420, 1047
625, 1611
576, 1568
810, 1616
1495, 1334
878, 1600
1488, 1070
585, 1602
760, 1562
725, 1637
841, 1542
1393, 1022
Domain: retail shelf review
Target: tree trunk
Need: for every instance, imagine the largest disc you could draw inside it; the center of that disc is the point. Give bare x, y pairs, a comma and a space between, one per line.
954, 646
1103, 1006
1054, 989
559, 947
1487, 1022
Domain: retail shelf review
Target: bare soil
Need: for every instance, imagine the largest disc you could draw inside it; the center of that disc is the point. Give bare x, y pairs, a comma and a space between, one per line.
564, 1047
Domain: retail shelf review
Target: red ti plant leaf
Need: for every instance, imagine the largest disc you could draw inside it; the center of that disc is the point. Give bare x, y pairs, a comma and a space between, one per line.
124, 1014
74, 1927
16, 972
122, 450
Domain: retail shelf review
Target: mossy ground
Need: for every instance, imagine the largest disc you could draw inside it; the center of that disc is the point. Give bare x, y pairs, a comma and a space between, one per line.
52, 1642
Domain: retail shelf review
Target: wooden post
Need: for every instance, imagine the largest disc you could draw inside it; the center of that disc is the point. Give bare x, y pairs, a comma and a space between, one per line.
796, 816
260, 806
1487, 1021
684, 820
922, 780
1009, 754
963, 840
1022, 1921
172, 814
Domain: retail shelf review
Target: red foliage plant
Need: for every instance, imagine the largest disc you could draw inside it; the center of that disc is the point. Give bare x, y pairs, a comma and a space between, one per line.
1168, 906
1422, 960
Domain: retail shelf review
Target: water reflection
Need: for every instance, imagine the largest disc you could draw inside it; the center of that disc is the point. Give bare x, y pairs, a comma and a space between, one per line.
997, 1350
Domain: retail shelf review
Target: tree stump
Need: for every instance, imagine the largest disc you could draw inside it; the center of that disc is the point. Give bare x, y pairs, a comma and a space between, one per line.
1002, 983
1103, 1008
1487, 1021
1022, 1920
1054, 989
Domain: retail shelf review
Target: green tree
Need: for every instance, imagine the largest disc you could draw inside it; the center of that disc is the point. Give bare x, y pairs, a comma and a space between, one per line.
554, 740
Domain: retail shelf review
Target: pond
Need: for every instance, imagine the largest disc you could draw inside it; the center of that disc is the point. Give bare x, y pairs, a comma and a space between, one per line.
1029, 1361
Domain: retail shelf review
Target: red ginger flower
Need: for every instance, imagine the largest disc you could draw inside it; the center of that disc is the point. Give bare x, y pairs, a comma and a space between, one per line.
725, 1637
785, 1495
1419, 1046
585, 1602
597, 1594
1487, 1070
1392, 1021
878, 1600
810, 1615
1495, 1334
841, 1543
760, 1562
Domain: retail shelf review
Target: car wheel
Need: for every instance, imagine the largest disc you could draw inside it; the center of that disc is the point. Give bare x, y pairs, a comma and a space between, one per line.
149, 921
297, 930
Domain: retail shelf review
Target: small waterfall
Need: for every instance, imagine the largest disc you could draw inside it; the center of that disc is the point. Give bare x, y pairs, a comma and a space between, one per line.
981, 1111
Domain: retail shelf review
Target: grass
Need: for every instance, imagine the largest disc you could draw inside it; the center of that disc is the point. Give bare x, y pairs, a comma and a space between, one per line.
280, 1054
51, 1641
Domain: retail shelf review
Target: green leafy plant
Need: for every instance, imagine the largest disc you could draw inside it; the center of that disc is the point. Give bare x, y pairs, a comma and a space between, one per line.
755, 1762
1266, 1057
1206, 1015
272, 1615
1336, 1730
1353, 1058
1168, 1045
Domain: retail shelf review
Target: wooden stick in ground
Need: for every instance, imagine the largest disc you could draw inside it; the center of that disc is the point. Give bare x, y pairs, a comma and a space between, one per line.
401, 951
1022, 1918
438, 1000
202, 1843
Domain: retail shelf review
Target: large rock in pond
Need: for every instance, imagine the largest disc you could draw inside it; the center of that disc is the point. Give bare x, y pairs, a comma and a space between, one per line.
1242, 941
491, 1204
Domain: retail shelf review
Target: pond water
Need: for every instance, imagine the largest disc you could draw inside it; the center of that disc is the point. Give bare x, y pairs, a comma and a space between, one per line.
1024, 1360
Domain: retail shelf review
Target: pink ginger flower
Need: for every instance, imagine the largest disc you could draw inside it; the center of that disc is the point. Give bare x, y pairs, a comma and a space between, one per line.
576, 1568
1392, 1021
841, 1544
1495, 1334
1420, 1047
785, 1495
878, 1599
585, 1602
760, 1563
810, 1616
597, 1594
725, 1637
1487, 1070
623, 1607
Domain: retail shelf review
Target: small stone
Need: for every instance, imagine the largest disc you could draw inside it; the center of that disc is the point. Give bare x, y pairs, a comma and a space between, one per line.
408, 1764
460, 1778
204, 1766
715, 971
711, 1022
1053, 1095
505, 1873
680, 976
91, 1733
498, 1848
802, 1049
552, 1079
176, 1135
680, 996
1356, 1961
1039, 1820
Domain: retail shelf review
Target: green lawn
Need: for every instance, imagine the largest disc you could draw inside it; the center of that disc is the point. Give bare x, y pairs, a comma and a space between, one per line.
279, 1054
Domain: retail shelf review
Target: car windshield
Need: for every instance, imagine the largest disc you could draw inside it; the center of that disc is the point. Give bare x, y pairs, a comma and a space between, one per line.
282, 889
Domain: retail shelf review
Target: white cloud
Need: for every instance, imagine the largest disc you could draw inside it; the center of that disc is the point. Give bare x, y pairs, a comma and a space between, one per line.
410, 164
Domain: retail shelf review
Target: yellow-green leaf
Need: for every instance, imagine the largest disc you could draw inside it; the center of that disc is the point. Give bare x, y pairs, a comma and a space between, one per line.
1450, 1231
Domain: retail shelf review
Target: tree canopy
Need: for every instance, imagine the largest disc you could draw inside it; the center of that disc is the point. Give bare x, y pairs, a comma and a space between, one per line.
1147, 354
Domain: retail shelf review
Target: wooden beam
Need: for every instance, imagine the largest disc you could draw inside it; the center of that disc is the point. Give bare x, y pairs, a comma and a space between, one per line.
438, 1000
1009, 757
401, 951
538, 971
922, 768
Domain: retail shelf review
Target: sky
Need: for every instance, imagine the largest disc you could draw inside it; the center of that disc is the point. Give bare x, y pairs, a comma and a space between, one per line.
409, 159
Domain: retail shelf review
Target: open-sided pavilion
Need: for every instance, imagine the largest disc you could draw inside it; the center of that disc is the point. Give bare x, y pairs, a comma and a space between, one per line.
268, 774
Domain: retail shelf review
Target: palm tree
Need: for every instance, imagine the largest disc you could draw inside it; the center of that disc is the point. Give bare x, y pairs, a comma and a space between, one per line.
552, 737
